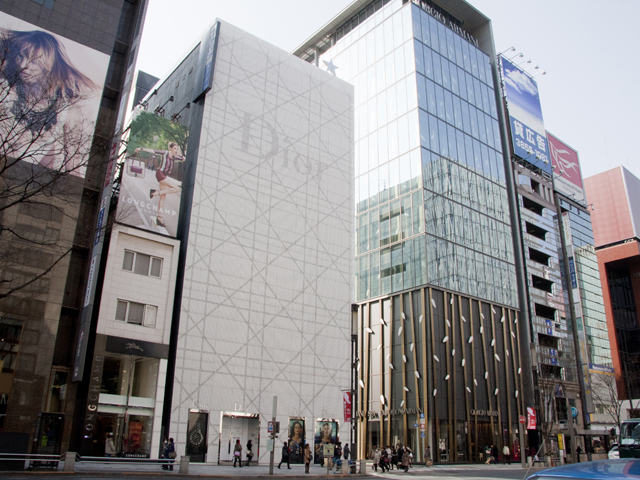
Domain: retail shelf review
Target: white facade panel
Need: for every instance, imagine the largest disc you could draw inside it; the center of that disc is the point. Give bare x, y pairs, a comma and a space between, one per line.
268, 275
120, 284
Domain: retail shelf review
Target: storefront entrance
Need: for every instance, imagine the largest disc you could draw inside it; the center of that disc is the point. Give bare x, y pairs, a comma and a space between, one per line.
243, 427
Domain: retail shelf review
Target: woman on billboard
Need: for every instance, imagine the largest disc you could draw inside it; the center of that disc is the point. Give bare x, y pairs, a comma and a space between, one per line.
166, 184
296, 441
326, 433
42, 90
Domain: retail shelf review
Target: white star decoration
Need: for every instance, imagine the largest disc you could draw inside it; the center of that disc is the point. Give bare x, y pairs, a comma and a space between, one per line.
331, 68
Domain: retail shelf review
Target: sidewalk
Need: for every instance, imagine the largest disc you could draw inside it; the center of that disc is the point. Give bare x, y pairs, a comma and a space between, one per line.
296, 471
204, 469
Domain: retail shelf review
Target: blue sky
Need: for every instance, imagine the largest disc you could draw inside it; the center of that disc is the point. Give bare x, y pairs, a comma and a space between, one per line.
589, 94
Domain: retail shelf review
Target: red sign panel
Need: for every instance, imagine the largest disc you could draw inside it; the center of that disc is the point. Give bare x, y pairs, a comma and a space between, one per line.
346, 402
567, 178
531, 419
522, 419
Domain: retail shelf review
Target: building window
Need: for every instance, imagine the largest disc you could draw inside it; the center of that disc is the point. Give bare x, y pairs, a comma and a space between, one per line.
46, 3
142, 264
136, 313
10, 333
57, 390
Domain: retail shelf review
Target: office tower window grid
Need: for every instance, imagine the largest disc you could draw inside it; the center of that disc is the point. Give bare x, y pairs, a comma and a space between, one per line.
592, 312
430, 198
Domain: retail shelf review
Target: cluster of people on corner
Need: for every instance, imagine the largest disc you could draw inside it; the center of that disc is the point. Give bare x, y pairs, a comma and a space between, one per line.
336, 460
388, 457
492, 454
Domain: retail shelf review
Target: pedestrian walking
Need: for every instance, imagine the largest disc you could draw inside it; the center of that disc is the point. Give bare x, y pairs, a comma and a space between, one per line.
285, 456
488, 451
109, 446
506, 454
249, 451
376, 458
578, 452
384, 459
495, 454
307, 458
237, 454
405, 460
337, 456
346, 451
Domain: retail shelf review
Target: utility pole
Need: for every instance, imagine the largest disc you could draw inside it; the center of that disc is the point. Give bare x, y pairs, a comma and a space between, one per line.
273, 434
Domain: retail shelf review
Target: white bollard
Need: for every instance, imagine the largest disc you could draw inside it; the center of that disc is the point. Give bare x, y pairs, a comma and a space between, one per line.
70, 462
184, 465
363, 467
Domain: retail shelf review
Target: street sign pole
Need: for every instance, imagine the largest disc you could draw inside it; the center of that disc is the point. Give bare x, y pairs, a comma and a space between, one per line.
273, 435
523, 450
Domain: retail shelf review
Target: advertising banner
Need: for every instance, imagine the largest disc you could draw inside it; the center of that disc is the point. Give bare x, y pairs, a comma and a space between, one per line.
51, 89
531, 419
346, 403
528, 136
327, 434
567, 178
296, 440
152, 174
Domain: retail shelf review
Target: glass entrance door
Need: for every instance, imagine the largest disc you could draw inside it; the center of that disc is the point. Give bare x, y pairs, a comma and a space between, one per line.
197, 436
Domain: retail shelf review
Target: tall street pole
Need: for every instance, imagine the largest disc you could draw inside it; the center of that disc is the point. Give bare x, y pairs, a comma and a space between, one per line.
273, 435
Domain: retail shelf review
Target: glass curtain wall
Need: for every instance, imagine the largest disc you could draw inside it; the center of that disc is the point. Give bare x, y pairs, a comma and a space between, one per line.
431, 200
588, 276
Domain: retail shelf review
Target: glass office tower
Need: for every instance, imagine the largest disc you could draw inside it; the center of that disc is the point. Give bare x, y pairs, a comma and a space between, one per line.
438, 352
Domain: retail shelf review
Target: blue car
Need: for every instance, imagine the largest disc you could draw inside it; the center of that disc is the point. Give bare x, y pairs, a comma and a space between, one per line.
624, 468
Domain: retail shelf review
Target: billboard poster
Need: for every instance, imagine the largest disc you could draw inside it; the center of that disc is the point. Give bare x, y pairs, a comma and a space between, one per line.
51, 89
296, 440
602, 369
567, 178
326, 434
528, 136
152, 174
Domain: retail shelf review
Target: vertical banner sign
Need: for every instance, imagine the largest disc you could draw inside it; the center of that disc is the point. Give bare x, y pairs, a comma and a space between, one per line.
528, 136
531, 419
346, 402
208, 48
96, 254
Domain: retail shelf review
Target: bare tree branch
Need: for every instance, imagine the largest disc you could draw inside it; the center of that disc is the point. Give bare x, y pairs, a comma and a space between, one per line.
45, 147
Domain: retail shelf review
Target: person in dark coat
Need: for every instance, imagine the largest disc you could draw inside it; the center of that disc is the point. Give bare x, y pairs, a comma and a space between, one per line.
237, 454
494, 453
285, 456
249, 452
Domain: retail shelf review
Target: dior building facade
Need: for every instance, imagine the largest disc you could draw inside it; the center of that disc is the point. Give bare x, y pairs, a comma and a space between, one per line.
230, 259
440, 338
